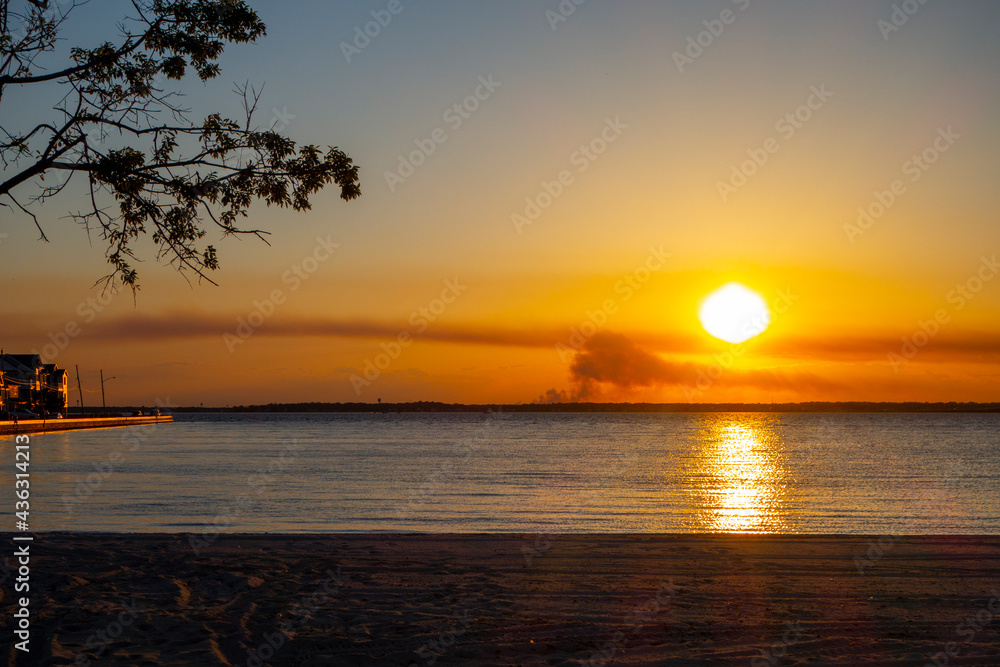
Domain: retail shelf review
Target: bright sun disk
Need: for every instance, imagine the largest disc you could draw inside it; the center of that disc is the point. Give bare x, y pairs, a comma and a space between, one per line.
734, 313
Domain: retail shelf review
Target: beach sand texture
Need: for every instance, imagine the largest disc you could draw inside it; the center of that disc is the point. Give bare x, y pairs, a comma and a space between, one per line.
363, 599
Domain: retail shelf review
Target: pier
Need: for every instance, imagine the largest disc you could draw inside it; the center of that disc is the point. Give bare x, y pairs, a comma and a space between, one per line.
25, 426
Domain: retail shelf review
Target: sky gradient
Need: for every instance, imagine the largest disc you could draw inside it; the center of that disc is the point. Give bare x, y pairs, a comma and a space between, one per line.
553, 235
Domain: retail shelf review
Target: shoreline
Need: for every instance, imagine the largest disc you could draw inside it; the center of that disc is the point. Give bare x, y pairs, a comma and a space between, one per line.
512, 599
30, 426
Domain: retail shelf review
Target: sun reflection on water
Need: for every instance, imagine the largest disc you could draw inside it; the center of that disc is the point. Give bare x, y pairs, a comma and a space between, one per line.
743, 475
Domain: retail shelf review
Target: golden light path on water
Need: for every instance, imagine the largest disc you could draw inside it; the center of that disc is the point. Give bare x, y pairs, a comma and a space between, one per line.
744, 475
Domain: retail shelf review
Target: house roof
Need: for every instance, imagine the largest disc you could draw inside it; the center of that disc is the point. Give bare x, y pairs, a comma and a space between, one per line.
27, 364
20, 362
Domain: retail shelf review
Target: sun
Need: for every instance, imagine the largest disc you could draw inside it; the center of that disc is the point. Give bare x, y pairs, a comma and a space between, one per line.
734, 313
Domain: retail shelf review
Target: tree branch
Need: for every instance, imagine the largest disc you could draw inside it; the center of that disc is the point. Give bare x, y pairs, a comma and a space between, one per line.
112, 57
33, 217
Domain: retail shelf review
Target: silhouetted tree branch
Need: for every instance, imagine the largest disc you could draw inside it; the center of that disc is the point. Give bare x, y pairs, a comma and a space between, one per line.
168, 176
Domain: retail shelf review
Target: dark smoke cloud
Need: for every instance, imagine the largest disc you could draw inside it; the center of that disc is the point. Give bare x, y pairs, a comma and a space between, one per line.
611, 357
611, 360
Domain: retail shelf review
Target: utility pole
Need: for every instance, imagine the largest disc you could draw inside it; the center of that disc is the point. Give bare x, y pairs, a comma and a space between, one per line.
79, 388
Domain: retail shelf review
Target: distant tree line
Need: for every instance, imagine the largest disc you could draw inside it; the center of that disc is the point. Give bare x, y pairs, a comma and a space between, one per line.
432, 406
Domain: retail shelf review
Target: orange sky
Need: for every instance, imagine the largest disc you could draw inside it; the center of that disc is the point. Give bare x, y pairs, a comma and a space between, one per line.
631, 163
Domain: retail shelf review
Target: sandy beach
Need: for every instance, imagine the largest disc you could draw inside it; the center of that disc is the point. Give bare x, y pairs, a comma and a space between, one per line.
362, 599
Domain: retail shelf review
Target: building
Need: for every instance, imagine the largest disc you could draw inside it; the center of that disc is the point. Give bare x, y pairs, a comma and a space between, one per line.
28, 385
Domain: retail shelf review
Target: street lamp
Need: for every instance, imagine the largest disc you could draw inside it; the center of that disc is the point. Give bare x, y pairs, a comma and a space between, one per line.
103, 380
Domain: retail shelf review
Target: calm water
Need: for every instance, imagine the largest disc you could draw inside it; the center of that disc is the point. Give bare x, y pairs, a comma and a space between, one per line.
784, 473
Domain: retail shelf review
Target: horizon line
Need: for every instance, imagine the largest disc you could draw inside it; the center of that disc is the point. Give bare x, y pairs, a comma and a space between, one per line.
586, 406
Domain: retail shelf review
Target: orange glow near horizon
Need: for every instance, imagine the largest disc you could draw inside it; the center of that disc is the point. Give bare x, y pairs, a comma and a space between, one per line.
512, 340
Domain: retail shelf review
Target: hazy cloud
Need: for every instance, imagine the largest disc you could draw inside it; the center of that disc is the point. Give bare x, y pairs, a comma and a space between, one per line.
639, 366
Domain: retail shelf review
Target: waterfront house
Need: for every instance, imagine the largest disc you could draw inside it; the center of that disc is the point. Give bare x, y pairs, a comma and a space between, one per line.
28, 385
